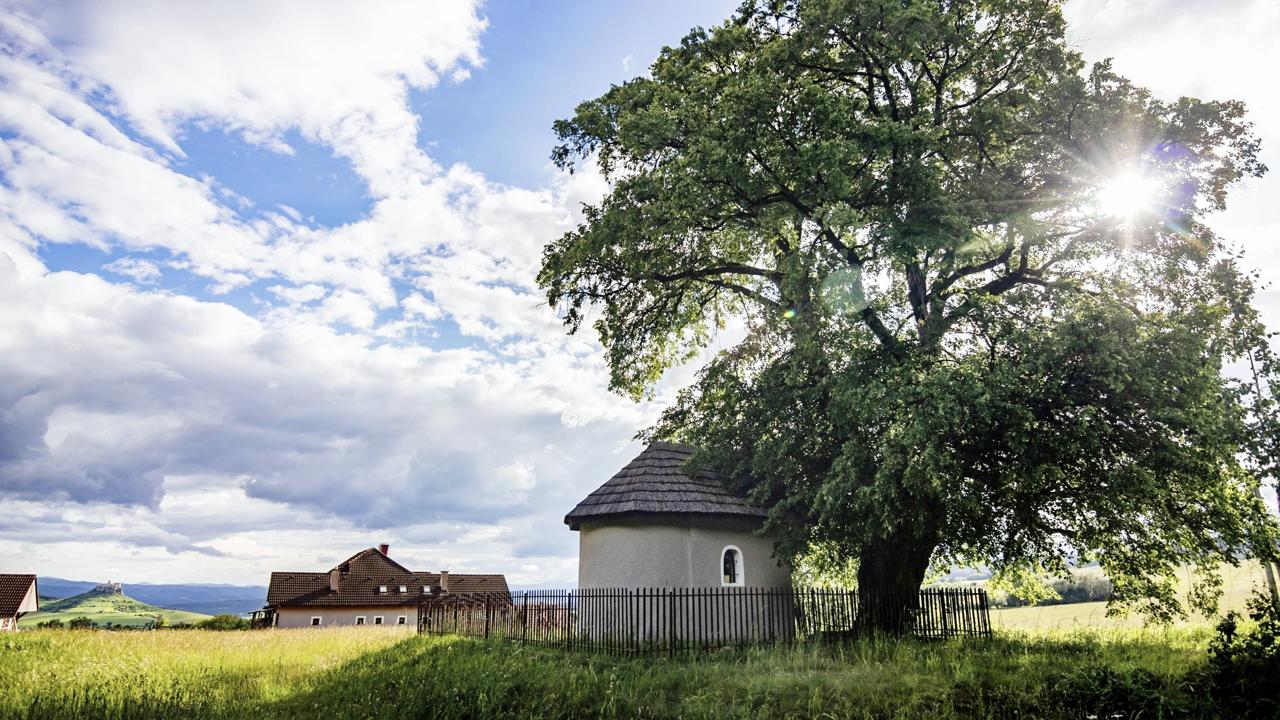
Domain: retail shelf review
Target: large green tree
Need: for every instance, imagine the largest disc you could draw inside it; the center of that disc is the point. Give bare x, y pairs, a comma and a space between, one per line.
984, 321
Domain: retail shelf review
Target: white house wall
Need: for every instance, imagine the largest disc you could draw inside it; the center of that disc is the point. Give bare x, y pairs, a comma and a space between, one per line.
680, 553
301, 617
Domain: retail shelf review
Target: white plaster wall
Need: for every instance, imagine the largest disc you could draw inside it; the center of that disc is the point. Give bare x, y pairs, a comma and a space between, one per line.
301, 617
680, 552
673, 553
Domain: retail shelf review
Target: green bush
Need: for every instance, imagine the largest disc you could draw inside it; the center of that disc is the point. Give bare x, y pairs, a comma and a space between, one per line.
81, 623
224, 622
1244, 662
54, 624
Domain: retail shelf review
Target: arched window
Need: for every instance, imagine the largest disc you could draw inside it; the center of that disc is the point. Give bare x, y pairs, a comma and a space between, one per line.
731, 572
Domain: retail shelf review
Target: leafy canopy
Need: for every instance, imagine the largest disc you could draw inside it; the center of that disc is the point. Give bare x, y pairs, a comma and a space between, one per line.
984, 319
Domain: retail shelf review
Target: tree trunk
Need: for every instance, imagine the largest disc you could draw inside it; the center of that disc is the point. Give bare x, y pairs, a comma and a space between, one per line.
890, 572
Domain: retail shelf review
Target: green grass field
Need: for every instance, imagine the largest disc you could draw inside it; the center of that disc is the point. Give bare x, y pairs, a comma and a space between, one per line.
1238, 583
385, 673
1061, 661
106, 608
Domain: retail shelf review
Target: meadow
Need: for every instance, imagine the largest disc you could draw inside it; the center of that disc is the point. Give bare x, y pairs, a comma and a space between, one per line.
1238, 584
386, 673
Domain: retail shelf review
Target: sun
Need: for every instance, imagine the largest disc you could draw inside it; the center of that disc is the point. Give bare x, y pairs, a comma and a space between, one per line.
1128, 194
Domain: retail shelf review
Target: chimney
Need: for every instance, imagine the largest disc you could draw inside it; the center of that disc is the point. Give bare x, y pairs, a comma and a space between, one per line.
444, 581
334, 575
383, 548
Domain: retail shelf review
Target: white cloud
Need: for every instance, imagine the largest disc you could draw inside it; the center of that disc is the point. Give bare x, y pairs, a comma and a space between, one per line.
115, 395
143, 271
336, 71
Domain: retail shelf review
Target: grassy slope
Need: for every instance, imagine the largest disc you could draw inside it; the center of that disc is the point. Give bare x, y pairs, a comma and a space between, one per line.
105, 608
1237, 585
385, 673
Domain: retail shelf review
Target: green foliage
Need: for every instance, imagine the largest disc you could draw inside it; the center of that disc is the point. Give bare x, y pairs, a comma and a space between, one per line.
1244, 662
81, 623
224, 622
374, 673
954, 354
53, 624
823, 565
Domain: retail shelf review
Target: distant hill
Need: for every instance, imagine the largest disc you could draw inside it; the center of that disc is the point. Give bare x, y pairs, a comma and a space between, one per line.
107, 604
207, 598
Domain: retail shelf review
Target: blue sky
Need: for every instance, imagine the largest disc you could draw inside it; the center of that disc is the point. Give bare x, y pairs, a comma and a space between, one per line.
499, 120
267, 270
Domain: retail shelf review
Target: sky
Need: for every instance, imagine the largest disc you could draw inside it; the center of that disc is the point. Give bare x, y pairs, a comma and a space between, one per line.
267, 271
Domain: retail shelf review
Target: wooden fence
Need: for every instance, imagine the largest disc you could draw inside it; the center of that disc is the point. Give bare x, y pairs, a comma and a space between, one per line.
626, 621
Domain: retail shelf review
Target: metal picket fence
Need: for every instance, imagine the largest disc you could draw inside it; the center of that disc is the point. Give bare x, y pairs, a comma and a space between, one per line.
637, 621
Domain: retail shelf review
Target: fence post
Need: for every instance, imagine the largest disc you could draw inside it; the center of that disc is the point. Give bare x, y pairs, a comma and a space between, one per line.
486, 618
671, 622
524, 619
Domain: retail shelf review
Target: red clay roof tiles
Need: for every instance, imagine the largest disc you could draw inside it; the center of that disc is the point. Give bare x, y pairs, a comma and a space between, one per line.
359, 581
13, 588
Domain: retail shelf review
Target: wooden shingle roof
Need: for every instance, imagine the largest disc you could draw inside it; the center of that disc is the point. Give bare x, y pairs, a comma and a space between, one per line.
656, 483
13, 590
360, 577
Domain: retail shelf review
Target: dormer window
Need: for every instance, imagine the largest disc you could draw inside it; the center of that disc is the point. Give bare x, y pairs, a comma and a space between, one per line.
382, 588
426, 589
404, 589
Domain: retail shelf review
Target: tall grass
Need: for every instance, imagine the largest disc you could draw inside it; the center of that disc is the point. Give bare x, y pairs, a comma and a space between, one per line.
383, 673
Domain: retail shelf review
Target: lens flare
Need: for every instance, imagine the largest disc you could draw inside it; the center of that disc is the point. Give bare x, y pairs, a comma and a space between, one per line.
1128, 195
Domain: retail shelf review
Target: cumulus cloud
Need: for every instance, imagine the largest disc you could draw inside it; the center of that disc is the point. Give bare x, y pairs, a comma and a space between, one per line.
320, 405
159, 384
111, 392
336, 71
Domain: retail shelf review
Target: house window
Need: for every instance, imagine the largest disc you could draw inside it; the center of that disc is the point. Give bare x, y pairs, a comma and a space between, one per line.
377, 619
731, 567
382, 588
426, 589
404, 589
402, 620
315, 620
359, 619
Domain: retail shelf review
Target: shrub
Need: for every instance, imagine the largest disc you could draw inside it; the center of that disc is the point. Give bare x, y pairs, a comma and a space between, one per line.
224, 622
54, 624
1244, 663
81, 623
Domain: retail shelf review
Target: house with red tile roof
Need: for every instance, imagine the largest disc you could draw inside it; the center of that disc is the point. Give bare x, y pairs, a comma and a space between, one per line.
18, 596
368, 588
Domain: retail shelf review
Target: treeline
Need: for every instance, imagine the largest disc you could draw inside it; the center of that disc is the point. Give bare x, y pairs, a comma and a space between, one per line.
1081, 587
